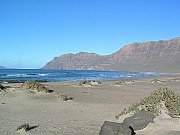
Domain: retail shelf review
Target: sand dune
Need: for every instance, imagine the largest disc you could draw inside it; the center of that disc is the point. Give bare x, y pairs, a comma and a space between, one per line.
85, 114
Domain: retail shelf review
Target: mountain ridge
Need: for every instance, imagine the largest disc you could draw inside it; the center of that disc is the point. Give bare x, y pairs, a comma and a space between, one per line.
156, 56
1, 67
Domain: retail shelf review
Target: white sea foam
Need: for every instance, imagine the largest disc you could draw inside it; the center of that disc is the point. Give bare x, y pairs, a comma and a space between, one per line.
44, 74
103, 75
17, 75
58, 75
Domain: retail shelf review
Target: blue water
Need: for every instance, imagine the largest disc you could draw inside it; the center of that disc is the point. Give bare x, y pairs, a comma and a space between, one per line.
69, 75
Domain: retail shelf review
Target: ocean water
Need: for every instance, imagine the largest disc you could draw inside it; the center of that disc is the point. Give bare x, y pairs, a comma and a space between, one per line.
69, 75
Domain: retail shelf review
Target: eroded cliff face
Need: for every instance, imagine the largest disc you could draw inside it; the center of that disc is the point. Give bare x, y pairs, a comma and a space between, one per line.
158, 56
79, 61
160, 48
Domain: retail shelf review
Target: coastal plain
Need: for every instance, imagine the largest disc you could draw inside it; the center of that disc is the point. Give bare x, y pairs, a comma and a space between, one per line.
85, 114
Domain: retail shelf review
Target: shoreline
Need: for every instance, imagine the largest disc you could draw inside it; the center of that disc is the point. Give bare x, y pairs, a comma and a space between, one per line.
19, 76
126, 78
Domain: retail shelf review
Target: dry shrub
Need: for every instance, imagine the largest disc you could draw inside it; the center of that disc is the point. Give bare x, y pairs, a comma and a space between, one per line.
153, 102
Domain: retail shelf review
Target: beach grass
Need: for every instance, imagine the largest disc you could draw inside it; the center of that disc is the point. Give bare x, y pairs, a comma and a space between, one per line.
153, 104
33, 85
64, 97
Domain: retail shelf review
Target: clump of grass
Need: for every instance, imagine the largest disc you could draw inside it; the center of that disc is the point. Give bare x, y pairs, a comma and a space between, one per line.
175, 80
2, 87
85, 82
24, 126
33, 85
156, 81
64, 97
152, 103
89, 82
121, 82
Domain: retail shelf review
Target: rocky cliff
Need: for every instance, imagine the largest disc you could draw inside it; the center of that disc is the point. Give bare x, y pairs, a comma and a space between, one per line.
158, 56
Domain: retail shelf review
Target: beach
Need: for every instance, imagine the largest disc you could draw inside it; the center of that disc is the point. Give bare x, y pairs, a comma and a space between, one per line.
85, 114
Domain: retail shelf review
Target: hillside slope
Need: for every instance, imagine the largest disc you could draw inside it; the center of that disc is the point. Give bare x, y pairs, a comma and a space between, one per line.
1, 67
158, 56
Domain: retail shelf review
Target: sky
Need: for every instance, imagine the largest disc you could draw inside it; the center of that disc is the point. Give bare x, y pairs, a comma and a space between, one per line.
33, 32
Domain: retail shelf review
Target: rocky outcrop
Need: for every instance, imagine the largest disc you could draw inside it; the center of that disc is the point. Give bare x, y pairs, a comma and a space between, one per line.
138, 121
159, 56
112, 128
79, 61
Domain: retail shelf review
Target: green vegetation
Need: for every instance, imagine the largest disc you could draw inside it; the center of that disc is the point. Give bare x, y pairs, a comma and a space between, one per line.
89, 82
85, 83
24, 126
33, 85
2, 87
64, 97
156, 81
153, 104
121, 82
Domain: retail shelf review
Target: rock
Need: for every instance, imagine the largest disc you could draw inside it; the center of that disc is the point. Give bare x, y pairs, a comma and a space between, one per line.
132, 130
138, 121
112, 128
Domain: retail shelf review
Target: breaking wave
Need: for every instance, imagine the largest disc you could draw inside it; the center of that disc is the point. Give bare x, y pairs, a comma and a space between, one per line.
70, 75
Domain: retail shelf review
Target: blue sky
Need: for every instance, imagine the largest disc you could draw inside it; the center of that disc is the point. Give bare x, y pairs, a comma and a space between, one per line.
32, 32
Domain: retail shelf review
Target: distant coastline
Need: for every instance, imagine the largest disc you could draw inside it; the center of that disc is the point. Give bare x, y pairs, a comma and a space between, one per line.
1, 67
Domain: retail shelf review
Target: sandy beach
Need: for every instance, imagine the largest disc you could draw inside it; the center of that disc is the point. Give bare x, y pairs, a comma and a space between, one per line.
85, 114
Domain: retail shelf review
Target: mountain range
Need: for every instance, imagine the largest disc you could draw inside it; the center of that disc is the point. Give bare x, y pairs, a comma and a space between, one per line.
1, 67
152, 56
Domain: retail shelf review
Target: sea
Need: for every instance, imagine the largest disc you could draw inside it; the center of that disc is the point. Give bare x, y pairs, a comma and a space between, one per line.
17, 75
